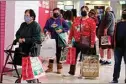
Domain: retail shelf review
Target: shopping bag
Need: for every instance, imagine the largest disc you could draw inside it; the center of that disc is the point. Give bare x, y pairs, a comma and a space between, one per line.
48, 49
71, 56
105, 40
63, 55
32, 68
90, 66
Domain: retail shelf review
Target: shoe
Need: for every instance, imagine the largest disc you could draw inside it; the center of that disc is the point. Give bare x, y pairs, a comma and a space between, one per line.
68, 75
105, 63
50, 68
125, 80
59, 68
114, 81
101, 61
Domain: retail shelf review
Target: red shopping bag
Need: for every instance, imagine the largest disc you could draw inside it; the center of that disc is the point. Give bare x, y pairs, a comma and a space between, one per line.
32, 68
26, 69
71, 56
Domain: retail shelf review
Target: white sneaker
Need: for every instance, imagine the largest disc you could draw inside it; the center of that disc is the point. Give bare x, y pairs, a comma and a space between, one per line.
67, 75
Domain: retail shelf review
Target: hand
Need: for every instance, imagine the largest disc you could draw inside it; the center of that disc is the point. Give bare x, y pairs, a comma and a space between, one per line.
92, 46
105, 32
23, 39
69, 41
59, 31
20, 40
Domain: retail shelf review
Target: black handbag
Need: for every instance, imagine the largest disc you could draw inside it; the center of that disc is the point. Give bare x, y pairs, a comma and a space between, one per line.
35, 49
84, 40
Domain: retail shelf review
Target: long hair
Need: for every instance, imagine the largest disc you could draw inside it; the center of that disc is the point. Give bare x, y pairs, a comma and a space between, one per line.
68, 15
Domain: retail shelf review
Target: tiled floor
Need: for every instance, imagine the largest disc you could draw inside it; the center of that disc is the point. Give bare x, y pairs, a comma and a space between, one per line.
105, 76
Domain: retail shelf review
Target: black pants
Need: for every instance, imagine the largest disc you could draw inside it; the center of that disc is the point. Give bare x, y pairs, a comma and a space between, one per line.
58, 53
78, 50
118, 54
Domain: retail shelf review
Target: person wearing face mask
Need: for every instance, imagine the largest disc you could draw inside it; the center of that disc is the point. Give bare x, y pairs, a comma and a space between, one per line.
119, 46
82, 26
28, 33
54, 22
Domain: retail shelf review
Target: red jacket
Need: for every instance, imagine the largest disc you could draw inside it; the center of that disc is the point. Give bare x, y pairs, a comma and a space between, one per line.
88, 28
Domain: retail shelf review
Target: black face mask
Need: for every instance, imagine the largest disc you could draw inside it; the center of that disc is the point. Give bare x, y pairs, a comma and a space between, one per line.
124, 16
55, 15
83, 13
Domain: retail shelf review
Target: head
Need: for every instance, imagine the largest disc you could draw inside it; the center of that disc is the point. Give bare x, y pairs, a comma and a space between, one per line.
29, 16
68, 15
92, 13
56, 12
84, 11
62, 13
108, 9
74, 12
124, 14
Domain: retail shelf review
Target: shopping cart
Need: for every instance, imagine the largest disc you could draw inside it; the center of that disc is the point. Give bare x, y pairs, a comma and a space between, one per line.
9, 53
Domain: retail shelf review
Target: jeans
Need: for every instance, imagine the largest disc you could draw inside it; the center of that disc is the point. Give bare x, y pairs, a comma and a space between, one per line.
118, 54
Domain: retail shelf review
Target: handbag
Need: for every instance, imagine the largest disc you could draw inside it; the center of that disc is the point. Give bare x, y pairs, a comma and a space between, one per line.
84, 40
35, 49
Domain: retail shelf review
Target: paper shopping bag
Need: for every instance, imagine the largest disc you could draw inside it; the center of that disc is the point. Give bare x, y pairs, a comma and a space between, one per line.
32, 68
105, 40
71, 56
90, 66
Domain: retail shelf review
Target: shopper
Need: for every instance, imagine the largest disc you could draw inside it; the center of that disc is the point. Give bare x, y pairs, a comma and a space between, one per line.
82, 26
50, 26
29, 33
120, 47
68, 16
106, 28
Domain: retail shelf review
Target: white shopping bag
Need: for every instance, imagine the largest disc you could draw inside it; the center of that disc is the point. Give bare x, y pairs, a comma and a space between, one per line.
48, 49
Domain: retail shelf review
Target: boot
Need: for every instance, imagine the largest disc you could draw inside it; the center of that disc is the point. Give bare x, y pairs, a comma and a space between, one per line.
50, 67
59, 68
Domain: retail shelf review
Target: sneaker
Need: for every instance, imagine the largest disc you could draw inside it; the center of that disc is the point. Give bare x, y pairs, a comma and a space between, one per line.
114, 81
106, 63
102, 62
68, 75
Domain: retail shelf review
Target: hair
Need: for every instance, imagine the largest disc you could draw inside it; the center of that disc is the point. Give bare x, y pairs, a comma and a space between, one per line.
68, 15
74, 12
56, 9
93, 11
86, 7
32, 13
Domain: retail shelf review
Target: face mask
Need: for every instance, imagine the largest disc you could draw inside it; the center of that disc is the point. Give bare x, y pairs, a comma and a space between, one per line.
124, 16
27, 19
55, 15
83, 13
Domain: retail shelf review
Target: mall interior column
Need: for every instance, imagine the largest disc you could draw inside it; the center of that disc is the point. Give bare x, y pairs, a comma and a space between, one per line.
81, 3
2, 32
116, 8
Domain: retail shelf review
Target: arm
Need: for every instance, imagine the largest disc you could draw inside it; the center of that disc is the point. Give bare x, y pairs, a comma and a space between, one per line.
71, 33
46, 28
36, 35
109, 20
93, 32
65, 26
18, 32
